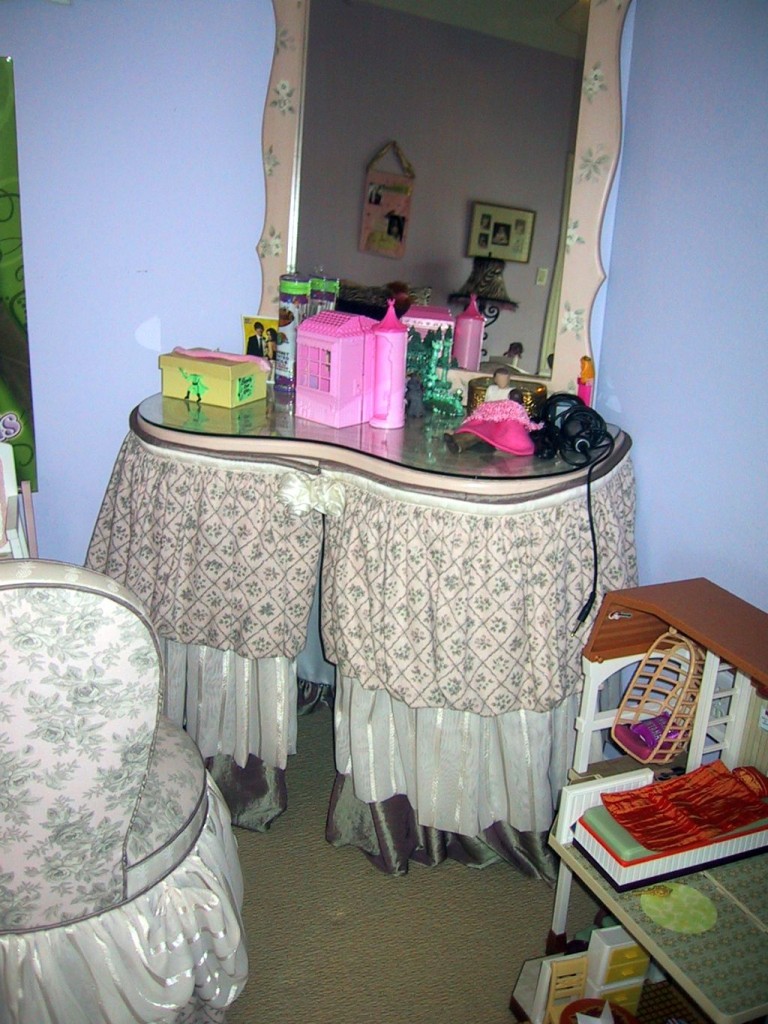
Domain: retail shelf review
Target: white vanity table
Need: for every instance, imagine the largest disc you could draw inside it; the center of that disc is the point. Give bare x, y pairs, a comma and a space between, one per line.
450, 585
449, 589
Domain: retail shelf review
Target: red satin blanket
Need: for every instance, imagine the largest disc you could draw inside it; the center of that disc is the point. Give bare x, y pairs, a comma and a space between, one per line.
687, 811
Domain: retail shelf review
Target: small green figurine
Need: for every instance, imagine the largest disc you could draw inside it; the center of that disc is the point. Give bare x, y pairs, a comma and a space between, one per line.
430, 359
196, 388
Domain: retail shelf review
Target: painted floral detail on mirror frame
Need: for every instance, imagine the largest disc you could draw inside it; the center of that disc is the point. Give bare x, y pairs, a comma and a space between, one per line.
572, 236
597, 149
594, 82
573, 320
283, 97
271, 244
280, 143
271, 163
592, 164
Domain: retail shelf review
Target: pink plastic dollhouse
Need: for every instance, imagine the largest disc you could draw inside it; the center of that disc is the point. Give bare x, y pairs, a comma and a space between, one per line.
429, 318
335, 355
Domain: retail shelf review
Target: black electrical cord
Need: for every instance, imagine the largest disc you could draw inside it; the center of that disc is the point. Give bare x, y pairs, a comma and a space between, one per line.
581, 438
607, 447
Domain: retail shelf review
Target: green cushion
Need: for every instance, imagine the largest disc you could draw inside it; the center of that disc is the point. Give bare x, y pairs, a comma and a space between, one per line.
621, 843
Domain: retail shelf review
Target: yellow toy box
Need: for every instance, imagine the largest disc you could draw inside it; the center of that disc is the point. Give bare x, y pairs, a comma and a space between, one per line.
213, 378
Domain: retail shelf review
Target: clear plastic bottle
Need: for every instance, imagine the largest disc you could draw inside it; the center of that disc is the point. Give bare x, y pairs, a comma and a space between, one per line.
293, 307
323, 292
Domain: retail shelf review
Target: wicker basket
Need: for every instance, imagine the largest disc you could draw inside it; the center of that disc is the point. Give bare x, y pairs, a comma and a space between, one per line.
655, 717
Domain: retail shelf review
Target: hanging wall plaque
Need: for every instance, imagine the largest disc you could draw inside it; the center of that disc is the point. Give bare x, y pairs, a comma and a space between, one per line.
386, 206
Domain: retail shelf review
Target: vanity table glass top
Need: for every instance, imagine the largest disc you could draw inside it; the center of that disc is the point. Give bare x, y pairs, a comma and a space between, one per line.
269, 427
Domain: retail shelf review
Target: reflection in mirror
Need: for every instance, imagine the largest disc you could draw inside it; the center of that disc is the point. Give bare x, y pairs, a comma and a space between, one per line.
481, 119
596, 153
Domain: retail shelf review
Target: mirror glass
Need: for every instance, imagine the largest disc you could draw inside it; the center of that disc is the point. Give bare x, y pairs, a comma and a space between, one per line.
480, 118
595, 157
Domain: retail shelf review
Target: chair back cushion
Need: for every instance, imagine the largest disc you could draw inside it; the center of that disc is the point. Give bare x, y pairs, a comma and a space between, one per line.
80, 692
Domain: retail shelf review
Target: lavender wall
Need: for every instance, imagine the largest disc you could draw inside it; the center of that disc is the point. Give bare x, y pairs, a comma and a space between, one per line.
139, 136
478, 117
139, 131
684, 366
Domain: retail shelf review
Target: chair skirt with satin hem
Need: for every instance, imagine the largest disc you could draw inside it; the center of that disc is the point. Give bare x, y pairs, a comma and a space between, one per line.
180, 943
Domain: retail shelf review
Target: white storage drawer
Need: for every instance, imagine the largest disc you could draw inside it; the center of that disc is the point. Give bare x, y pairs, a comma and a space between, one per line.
625, 994
615, 958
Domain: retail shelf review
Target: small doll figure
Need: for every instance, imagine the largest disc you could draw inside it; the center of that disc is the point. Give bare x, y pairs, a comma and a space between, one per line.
414, 397
501, 386
513, 353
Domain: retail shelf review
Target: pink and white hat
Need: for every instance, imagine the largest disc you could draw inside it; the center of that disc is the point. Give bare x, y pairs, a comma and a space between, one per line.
505, 424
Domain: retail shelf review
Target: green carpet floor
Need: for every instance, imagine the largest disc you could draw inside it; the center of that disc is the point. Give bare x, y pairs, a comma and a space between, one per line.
331, 939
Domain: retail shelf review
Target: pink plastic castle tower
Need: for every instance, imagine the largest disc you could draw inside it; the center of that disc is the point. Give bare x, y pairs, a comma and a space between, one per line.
389, 371
335, 359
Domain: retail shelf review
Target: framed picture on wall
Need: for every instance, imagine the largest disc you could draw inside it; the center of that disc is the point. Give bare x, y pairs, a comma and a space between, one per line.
386, 214
501, 232
387, 205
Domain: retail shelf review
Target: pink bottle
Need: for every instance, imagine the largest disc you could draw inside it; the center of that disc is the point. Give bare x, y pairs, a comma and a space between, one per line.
390, 348
584, 391
468, 336
586, 379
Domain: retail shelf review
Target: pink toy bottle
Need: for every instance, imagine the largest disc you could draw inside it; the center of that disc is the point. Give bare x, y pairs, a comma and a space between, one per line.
390, 347
586, 380
468, 336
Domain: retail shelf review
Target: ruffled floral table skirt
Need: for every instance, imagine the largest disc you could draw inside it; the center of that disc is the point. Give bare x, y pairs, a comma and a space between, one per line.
450, 623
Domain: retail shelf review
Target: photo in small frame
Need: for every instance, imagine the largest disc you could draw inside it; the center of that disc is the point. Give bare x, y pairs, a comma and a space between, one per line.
260, 336
501, 232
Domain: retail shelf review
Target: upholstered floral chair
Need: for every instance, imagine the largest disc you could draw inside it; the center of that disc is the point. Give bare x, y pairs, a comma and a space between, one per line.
120, 886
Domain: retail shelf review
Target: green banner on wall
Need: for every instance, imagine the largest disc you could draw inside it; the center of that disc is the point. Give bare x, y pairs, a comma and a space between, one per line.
16, 421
